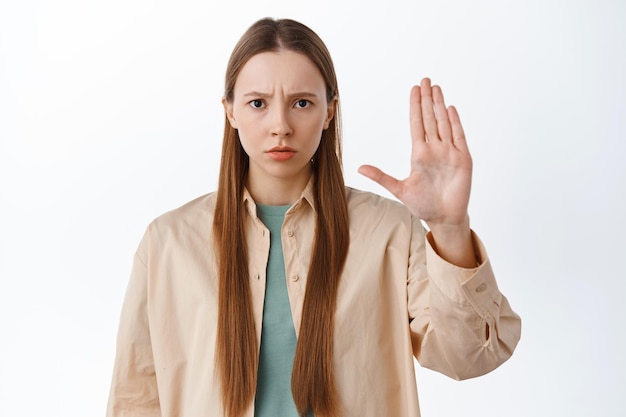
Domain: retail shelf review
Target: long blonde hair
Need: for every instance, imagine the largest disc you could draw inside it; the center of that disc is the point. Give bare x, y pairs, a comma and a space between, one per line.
312, 383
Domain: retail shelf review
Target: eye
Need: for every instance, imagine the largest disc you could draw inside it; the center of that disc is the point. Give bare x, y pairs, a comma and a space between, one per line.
257, 104
301, 104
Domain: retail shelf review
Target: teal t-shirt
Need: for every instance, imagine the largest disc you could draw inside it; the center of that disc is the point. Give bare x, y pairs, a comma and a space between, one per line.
278, 336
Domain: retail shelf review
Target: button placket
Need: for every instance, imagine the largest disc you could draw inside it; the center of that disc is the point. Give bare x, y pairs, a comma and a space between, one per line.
261, 249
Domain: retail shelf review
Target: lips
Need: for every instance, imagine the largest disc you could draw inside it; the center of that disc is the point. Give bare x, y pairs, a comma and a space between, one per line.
281, 153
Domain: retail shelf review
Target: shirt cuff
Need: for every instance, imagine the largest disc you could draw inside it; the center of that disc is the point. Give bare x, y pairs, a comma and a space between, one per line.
467, 286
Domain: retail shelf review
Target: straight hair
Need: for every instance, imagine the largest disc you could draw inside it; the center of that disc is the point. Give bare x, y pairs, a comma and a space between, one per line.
312, 383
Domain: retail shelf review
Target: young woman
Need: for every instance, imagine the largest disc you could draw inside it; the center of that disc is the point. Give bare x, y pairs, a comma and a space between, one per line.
286, 293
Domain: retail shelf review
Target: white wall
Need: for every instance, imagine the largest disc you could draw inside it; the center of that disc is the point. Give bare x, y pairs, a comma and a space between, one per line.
110, 115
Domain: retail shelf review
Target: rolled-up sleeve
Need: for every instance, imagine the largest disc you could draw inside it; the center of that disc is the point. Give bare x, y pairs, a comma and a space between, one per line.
461, 324
134, 386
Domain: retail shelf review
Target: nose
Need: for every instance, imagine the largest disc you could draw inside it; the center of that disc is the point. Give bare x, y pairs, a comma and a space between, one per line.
280, 125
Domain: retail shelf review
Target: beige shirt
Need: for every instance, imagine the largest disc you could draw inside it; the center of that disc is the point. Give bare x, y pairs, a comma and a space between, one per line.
397, 298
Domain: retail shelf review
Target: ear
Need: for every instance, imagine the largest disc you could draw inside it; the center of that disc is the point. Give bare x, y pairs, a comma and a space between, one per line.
228, 109
330, 112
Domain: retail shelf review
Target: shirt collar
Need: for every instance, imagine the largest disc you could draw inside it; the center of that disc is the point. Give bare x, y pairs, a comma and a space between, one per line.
307, 197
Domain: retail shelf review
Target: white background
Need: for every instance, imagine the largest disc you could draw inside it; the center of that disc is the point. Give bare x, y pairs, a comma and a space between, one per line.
110, 115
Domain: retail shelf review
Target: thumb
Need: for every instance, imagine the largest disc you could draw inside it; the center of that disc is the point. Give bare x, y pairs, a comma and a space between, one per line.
386, 181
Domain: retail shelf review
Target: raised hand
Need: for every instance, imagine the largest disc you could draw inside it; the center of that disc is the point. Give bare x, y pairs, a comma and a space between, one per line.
438, 187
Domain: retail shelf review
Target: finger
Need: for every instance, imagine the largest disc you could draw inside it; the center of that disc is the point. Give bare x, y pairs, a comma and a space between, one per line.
441, 113
428, 112
417, 123
386, 181
458, 135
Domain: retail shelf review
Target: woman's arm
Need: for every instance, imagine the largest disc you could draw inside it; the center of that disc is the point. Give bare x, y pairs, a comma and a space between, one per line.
461, 325
134, 386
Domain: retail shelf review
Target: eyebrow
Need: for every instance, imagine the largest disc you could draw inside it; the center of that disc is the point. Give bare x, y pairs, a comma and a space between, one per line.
266, 95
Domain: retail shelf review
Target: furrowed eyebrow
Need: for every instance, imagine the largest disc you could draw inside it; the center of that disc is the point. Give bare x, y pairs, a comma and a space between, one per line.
256, 94
302, 94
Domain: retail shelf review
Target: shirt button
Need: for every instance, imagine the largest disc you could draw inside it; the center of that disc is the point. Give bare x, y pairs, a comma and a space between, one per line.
290, 233
295, 278
482, 287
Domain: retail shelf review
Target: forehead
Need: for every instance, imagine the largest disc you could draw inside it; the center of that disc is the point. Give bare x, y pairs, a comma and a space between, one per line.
285, 70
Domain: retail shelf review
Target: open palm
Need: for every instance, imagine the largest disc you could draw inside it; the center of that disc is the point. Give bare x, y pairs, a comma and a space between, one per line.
438, 187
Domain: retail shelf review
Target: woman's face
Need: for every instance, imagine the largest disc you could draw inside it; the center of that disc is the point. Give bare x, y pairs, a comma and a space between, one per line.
279, 108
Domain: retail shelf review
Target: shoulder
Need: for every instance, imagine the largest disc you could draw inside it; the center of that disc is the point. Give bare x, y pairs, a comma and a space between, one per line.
365, 203
380, 222
179, 238
200, 206
372, 215
192, 217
